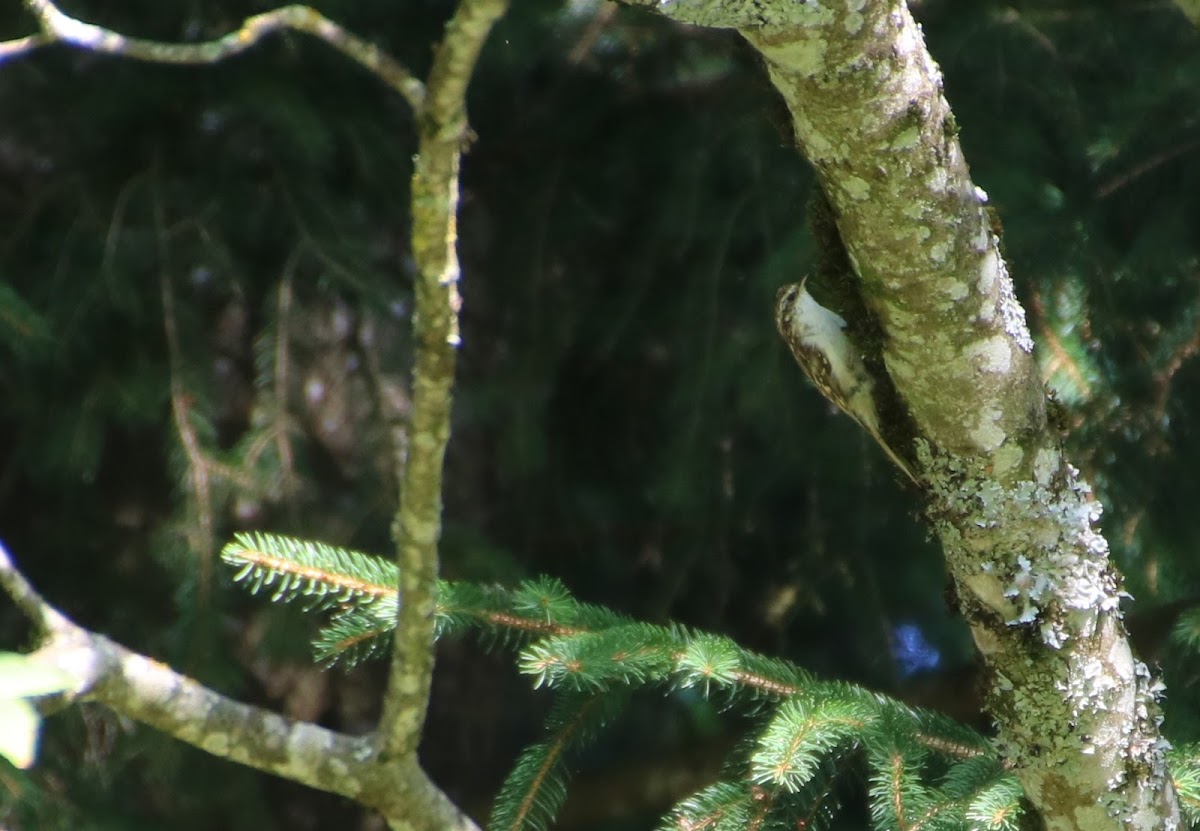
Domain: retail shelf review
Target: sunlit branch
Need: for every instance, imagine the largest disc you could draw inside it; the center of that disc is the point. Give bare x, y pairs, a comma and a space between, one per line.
418, 520
58, 27
154, 694
435, 190
21, 46
45, 618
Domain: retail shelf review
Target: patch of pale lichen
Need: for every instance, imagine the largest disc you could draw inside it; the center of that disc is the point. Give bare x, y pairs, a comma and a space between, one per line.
1034, 539
1078, 715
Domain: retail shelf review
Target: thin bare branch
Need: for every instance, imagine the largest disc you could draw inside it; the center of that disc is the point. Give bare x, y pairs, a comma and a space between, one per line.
281, 378
418, 525
201, 535
58, 27
43, 616
1141, 168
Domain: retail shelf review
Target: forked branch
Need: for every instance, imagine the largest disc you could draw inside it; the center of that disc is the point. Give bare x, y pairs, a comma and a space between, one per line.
151, 692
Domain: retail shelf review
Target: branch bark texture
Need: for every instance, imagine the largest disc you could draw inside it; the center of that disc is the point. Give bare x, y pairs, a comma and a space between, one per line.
152, 693
435, 193
1077, 714
380, 771
58, 27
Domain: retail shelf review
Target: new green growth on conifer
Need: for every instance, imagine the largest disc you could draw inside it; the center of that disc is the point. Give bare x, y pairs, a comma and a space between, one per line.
813, 743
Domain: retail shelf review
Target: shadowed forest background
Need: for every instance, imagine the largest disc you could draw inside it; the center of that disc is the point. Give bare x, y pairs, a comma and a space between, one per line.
204, 297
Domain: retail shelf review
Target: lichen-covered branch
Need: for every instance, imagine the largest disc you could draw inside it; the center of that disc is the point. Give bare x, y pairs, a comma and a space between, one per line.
58, 27
154, 694
1077, 715
444, 136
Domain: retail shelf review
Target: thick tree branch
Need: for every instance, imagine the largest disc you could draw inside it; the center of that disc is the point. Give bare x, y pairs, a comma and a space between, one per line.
1077, 715
150, 692
58, 27
444, 135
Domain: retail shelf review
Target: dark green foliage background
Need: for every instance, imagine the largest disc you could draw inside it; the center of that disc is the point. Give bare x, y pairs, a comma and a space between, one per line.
626, 419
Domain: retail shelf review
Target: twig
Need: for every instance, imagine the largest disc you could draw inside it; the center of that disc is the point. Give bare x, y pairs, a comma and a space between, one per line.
202, 540
280, 380
58, 27
1165, 377
44, 617
1117, 182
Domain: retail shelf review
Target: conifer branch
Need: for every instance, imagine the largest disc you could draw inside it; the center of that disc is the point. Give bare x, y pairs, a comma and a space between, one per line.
800, 735
281, 377
58, 27
1185, 773
274, 425
537, 786
352, 637
322, 574
586, 653
23, 330
707, 807
362, 589
722, 805
201, 531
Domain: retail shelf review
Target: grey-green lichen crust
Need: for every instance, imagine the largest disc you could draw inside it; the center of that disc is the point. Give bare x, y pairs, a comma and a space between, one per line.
1050, 562
1027, 559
